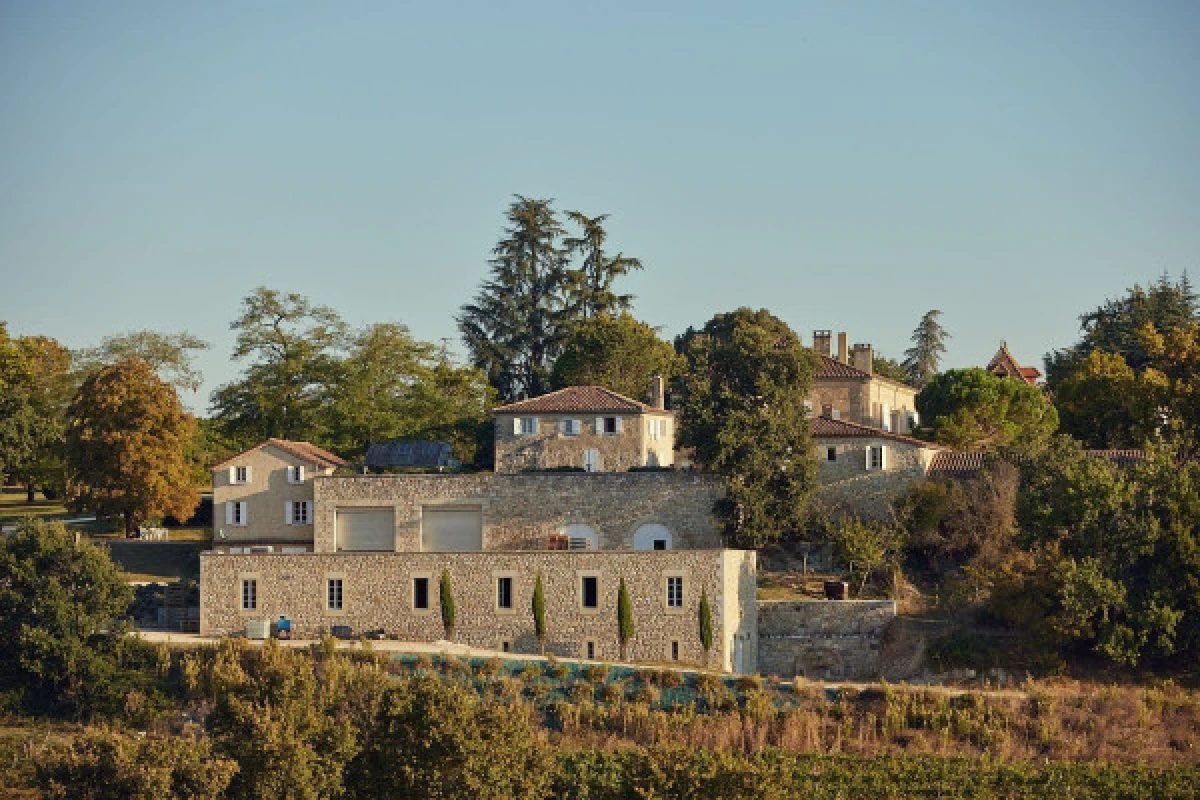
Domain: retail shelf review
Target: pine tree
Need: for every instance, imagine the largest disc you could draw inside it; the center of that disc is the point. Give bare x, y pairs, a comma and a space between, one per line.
625, 626
592, 282
446, 596
922, 360
539, 614
515, 327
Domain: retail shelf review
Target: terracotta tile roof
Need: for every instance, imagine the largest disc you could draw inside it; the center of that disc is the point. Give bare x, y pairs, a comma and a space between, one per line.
958, 464
305, 451
827, 428
1003, 363
579, 399
832, 368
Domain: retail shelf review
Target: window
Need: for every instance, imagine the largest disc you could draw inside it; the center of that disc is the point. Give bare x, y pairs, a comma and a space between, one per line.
831, 454
295, 474
660, 544
589, 592
674, 649
504, 593
420, 593
612, 425
240, 475
333, 596
675, 591
298, 512
236, 512
877, 457
249, 594
523, 426
505, 646
572, 427
589, 650
591, 460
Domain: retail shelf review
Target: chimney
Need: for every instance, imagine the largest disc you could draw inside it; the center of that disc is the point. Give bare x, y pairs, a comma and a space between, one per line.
658, 395
821, 342
864, 358
842, 340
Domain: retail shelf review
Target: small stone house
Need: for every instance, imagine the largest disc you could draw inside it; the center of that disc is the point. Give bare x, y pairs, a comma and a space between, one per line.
862, 470
846, 387
264, 496
584, 427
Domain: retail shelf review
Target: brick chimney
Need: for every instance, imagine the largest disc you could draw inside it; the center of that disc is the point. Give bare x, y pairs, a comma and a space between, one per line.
842, 346
658, 393
864, 358
822, 341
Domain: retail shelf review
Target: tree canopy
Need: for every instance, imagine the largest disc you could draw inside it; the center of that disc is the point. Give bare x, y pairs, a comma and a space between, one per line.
972, 409
125, 446
35, 389
747, 377
169, 354
619, 353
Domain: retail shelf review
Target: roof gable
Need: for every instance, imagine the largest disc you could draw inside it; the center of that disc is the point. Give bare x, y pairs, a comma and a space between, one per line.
828, 428
579, 399
304, 451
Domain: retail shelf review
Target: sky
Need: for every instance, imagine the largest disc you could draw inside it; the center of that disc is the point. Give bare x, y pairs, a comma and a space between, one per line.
847, 165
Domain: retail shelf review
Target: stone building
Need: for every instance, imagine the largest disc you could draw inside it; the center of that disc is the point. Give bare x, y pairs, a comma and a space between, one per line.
846, 387
584, 427
1004, 365
265, 495
861, 470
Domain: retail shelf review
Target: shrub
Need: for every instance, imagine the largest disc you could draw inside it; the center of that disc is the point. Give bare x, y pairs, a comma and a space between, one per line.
581, 691
647, 694
749, 683
613, 692
671, 679
597, 673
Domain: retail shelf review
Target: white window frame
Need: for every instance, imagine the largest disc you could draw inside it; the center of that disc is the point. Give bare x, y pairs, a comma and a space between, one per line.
249, 591
497, 581
295, 474
876, 457
572, 427
237, 513
304, 507
674, 592
240, 475
525, 426
602, 425
335, 589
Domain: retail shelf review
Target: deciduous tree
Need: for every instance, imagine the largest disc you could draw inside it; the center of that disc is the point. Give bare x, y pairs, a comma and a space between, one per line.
125, 446
35, 388
621, 353
743, 394
169, 354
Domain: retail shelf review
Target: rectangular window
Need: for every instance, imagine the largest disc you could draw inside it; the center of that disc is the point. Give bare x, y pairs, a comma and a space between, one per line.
249, 594
808, 408
589, 650
504, 593
300, 512
505, 646
675, 591
674, 649
421, 593
241, 474
572, 427
235, 512
610, 425
831, 454
334, 594
589, 591
295, 474
527, 425
660, 544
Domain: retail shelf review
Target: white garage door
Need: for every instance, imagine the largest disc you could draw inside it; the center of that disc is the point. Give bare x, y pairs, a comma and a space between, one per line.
451, 530
365, 529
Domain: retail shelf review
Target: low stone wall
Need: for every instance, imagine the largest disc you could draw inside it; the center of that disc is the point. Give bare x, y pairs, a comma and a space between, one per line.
521, 510
823, 639
377, 594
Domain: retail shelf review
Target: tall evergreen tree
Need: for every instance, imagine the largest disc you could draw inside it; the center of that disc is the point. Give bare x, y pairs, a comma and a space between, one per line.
592, 282
626, 628
515, 327
921, 361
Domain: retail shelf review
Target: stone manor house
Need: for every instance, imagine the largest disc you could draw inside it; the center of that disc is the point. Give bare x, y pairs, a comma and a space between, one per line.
295, 537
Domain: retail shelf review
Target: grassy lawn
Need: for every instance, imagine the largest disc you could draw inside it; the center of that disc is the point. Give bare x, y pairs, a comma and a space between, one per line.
13, 507
160, 562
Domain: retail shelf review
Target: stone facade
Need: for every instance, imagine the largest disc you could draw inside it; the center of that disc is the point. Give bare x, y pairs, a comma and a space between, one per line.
563, 440
823, 639
846, 485
266, 494
377, 594
864, 400
520, 511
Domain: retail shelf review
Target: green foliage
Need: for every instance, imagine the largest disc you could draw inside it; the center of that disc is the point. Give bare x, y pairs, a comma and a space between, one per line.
591, 283
446, 599
168, 354
35, 388
125, 446
538, 606
107, 765
921, 361
619, 353
743, 411
706, 624
59, 601
972, 409
626, 629
866, 545
888, 368
433, 740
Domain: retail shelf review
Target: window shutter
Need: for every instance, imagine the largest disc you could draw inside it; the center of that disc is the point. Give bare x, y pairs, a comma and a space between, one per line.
229, 512
249, 474
883, 456
867, 450
287, 512
618, 424
885, 417
300, 474
308, 517
232, 475
599, 426
245, 511
517, 425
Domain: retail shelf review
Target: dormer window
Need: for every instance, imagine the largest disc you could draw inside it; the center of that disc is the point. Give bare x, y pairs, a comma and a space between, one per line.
295, 474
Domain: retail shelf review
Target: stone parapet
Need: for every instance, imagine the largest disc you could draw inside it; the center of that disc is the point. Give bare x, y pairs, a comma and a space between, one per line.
823, 639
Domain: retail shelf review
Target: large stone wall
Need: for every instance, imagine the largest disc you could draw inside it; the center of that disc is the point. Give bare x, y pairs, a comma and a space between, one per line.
845, 485
521, 510
550, 447
823, 639
377, 594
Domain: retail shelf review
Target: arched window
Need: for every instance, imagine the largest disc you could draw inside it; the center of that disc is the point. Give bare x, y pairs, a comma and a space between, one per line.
652, 537
577, 533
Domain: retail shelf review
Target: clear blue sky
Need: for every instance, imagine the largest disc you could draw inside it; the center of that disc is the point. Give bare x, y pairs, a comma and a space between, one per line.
846, 165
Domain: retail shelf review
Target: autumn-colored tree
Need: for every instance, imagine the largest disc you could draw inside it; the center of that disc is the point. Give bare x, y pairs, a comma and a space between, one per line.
125, 446
619, 353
